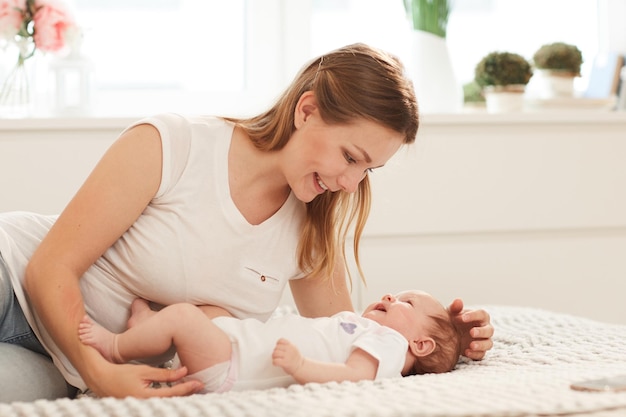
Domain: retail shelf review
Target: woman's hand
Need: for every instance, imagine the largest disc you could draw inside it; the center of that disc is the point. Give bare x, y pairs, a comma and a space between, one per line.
125, 380
475, 329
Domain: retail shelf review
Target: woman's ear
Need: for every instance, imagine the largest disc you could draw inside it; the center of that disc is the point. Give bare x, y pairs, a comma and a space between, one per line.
306, 106
422, 347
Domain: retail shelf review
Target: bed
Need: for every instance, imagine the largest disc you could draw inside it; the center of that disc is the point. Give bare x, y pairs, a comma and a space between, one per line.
536, 355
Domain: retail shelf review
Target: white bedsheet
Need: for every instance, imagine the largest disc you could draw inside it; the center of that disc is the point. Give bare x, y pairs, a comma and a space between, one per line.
536, 355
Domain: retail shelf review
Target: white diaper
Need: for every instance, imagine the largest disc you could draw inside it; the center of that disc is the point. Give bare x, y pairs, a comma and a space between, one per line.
217, 378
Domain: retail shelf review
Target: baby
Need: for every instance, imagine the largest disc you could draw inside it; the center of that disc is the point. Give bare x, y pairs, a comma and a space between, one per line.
406, 334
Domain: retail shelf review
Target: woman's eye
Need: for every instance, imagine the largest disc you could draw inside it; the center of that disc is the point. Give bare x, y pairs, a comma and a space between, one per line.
367, 172
349, 158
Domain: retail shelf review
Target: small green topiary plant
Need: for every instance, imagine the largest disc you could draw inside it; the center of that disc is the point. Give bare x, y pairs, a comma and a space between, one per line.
559, 56
473, 93
502, 69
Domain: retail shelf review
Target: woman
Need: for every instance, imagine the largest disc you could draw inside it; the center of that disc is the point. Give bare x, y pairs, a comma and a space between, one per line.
211, 211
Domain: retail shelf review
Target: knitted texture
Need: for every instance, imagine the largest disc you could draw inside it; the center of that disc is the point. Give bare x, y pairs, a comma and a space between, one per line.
537, 354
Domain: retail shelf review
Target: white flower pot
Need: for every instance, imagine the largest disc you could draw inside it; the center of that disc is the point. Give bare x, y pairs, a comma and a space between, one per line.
554, 84
508, 99
435, 84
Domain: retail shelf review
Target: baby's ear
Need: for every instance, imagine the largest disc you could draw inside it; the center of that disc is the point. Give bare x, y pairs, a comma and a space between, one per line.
422, 347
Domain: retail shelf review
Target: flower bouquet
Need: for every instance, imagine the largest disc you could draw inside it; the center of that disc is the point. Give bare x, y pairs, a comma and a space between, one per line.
30, 25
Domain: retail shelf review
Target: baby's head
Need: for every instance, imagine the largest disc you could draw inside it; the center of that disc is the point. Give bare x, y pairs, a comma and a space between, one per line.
426, 324
447, 350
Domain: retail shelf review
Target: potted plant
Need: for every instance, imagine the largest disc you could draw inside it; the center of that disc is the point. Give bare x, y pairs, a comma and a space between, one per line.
473, 97
557, 65
435, 83
503, 77
429, 15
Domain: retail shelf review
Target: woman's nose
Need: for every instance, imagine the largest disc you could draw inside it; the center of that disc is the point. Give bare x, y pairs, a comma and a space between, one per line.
349, 181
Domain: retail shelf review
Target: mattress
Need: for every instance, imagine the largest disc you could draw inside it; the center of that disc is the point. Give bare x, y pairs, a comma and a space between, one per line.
537, 354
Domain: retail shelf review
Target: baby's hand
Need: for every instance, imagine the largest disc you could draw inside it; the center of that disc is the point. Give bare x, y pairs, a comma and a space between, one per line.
287, 356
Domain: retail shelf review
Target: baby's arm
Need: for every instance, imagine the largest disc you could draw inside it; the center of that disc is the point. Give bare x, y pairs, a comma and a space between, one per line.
360, 365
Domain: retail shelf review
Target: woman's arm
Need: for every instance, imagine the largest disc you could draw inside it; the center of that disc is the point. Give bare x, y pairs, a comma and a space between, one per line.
359, 365
319, 296
111, 199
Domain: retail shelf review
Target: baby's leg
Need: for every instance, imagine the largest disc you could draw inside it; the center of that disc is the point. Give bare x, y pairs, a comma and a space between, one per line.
199, 343
139, 311
94, 335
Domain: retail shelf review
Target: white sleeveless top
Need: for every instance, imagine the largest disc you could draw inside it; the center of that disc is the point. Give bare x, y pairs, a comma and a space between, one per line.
190, 244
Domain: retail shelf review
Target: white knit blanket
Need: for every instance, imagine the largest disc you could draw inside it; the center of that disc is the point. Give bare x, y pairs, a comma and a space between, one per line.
536, 355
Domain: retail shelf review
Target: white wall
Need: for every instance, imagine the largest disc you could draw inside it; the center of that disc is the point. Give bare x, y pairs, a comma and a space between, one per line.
44, 161
524, 209
611, 25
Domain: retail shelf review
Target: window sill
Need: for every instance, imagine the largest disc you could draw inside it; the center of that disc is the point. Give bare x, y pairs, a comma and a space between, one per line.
91, 123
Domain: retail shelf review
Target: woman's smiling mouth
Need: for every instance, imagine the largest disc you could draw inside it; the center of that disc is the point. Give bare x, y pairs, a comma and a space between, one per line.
320, 183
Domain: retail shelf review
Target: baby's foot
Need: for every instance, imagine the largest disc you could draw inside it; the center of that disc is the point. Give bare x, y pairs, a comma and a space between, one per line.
94, 335
139, 311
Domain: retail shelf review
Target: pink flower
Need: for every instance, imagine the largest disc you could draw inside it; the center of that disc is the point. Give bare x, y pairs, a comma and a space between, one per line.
51, 22
11, 17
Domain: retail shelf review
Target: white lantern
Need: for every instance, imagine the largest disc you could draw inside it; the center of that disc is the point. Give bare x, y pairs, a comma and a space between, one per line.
73, 82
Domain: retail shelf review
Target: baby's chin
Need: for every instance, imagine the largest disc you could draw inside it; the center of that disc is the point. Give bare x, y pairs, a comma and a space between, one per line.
375, 315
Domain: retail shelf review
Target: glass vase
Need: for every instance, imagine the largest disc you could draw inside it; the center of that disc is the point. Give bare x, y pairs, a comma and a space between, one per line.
15, 93
16, 89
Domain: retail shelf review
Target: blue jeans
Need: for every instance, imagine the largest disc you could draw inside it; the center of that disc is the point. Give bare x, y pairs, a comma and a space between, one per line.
26, 370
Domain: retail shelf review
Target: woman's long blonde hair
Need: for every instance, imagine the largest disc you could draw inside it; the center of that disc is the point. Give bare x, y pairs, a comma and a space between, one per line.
356, 81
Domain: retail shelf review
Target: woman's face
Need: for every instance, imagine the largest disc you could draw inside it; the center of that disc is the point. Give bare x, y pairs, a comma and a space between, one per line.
320, 157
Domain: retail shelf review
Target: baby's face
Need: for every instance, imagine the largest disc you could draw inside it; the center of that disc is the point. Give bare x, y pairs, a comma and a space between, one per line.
408, 312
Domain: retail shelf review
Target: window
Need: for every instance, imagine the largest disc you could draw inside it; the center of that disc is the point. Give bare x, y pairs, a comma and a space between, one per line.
167, 44
150, 54
475, 28
234, 57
